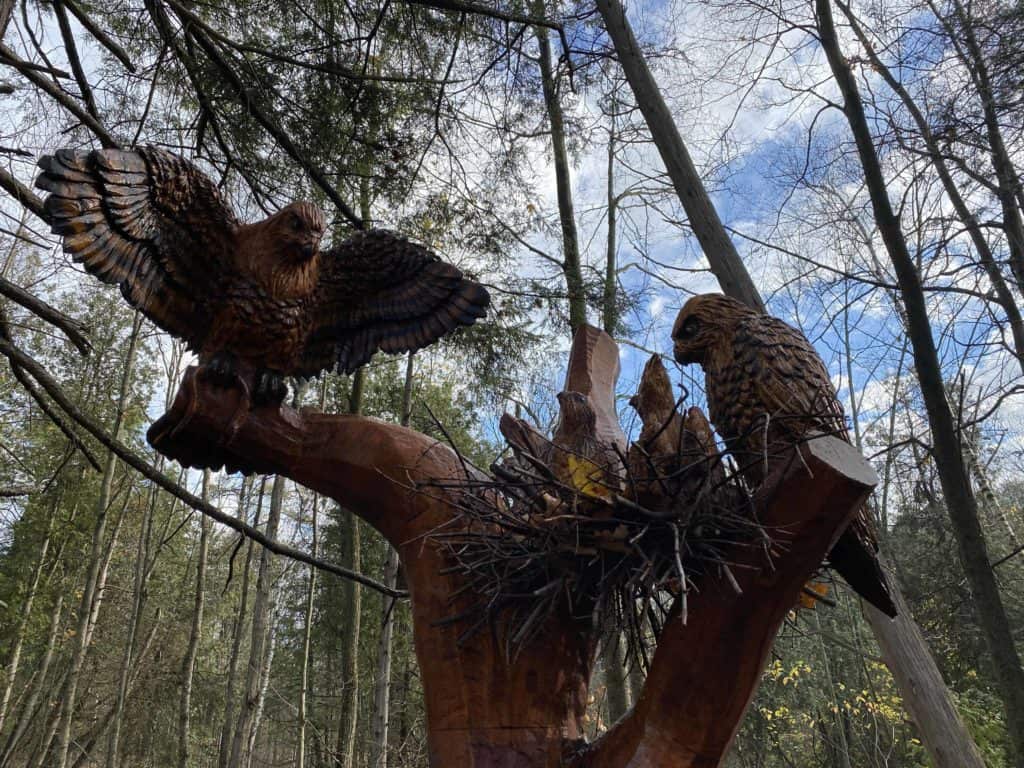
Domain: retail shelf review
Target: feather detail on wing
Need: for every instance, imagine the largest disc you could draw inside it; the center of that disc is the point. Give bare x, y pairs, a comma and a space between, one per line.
791, 381
149, 221
788, 377
379, 291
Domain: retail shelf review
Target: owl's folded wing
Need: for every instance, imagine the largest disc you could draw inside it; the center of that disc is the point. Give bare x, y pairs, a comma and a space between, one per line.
379, 291
788, 377
149, 221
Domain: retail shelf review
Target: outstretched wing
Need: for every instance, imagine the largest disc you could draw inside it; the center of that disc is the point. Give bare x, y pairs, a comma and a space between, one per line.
789, 379
379, 291
149, 221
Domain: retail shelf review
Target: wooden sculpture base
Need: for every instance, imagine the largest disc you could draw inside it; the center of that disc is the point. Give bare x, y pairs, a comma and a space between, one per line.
485, 712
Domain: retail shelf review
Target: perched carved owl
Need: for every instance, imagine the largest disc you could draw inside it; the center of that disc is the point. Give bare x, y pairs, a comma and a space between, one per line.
768, 389
259, 301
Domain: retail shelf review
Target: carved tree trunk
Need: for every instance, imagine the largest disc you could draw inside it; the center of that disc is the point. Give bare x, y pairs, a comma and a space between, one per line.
484, 710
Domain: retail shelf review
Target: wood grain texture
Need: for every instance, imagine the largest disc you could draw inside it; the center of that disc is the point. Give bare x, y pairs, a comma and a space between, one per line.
483, 710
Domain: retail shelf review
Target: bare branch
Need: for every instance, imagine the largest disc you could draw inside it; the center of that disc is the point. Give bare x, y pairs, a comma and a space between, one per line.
147, 470
32, 75
73, 329
22, 194
102, 37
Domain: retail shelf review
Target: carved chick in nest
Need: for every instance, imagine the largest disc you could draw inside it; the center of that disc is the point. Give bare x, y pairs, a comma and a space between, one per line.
675, 455
257, 302
580, 460
767, 390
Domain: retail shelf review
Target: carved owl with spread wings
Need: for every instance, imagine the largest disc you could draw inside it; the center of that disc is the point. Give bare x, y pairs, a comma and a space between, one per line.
768, 389
258, 301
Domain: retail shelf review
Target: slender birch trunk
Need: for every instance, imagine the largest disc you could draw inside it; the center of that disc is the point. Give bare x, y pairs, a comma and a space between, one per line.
138, 605
90, 592
14, 660
28, 710
307, 629
195, 633
351, 593
382, 688
259, 644
227, 730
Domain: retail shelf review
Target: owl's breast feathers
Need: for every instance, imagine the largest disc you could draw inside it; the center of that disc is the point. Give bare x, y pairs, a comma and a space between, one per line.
767, 385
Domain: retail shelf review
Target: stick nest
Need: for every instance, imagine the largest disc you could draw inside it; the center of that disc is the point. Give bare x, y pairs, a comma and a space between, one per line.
575, 526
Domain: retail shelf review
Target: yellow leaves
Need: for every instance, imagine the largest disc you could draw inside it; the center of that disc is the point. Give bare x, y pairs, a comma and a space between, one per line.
818, 588
585, 476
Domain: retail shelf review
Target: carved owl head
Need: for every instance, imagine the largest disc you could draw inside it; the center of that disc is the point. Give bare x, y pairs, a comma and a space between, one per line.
703, 323
298, 228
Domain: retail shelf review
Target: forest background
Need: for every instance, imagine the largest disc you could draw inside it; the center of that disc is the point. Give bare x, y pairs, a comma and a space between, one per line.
134, 631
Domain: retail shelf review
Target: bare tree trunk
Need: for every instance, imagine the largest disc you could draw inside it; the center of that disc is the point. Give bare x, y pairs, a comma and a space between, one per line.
227, 730
195, 633
259, 644
307, 629
946, 445
348, 712
52, 731
382, 688
1003, 293
90, 603
138, 604
943, 733
348, 715
28, 710
904, 648
609, 308
261, 699
1007, 181
87, 744
571, 266
725, 262
6, 7
14, 660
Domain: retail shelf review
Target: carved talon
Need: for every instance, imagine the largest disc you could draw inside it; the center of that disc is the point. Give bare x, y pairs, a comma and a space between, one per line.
222, 370
270, 388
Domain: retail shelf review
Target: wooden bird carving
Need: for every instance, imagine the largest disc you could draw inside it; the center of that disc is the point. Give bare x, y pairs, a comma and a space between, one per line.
256, 301
675, 455
768, 389
580, 460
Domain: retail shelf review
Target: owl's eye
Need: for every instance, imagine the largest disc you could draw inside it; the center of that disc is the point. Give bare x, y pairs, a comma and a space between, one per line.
691, 326
296, 222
